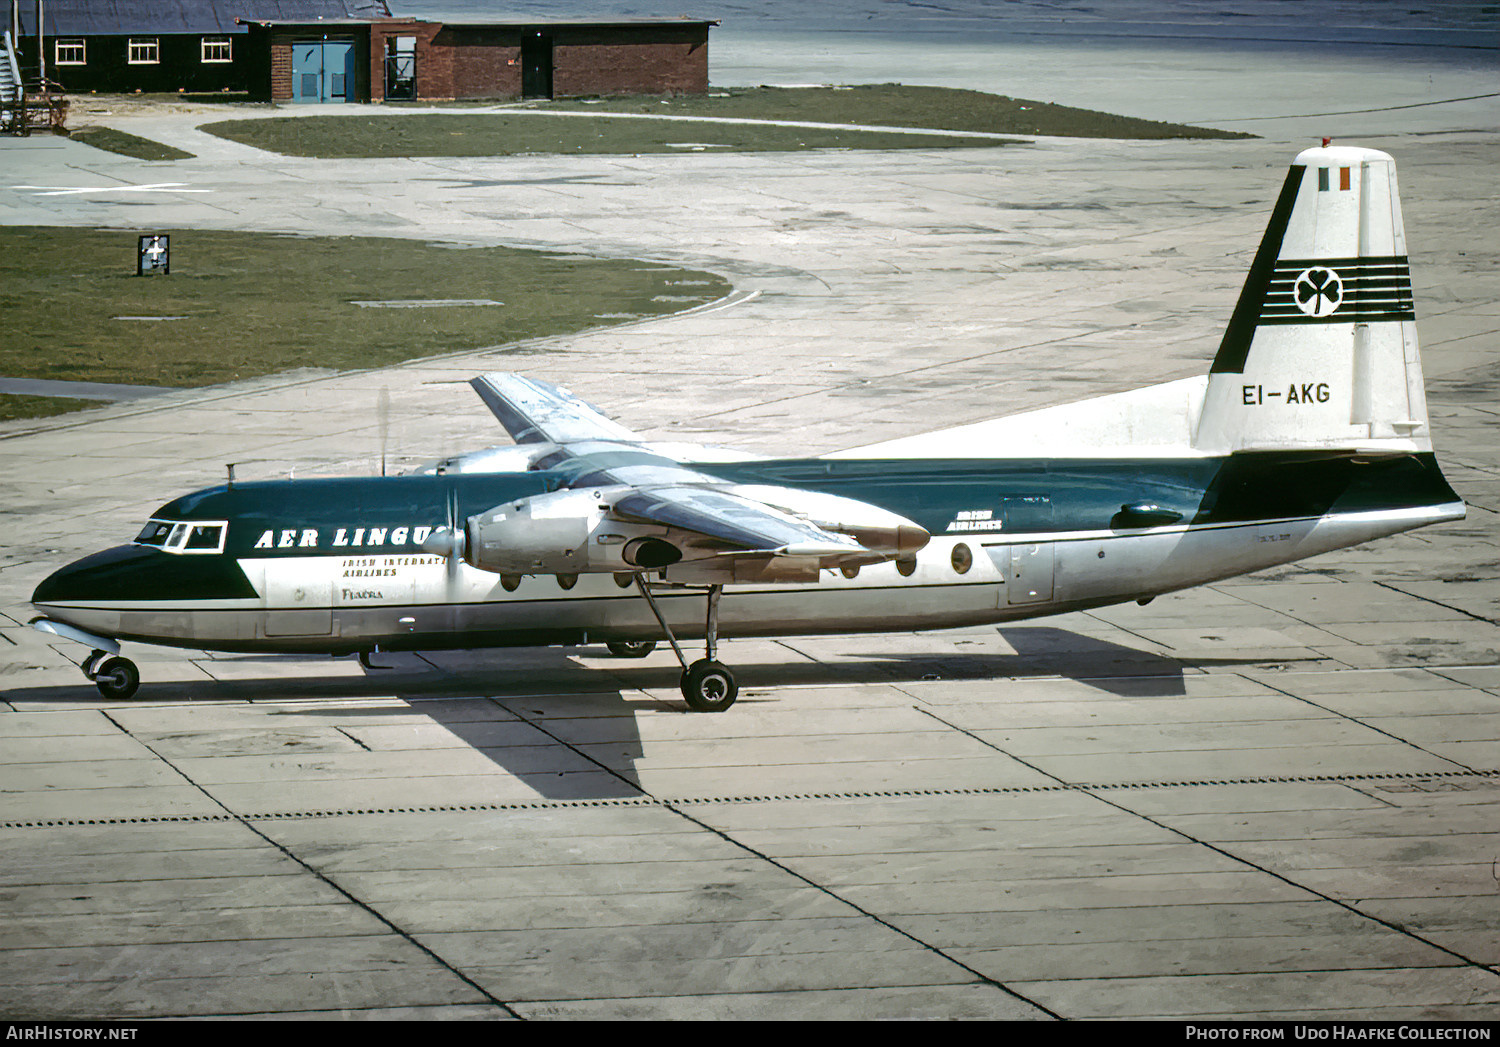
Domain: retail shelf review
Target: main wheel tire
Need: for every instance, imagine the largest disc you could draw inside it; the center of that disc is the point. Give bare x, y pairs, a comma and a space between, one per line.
117, 678
709, 687
631, 648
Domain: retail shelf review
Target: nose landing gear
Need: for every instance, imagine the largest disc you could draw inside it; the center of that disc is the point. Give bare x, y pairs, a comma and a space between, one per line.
117, 678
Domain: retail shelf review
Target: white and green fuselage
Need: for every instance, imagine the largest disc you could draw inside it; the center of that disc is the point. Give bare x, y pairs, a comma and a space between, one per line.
338, 566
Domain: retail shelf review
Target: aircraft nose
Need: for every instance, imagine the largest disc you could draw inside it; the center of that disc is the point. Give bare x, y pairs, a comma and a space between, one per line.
120, 573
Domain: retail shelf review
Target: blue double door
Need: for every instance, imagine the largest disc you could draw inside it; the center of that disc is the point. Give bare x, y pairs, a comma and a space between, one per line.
323, 71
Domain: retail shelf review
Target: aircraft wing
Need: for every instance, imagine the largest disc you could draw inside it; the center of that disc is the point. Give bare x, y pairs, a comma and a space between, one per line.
690, 518
745, 523
533, 411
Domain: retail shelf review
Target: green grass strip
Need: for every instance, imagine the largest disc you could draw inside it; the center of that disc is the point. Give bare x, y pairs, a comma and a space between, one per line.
240, 305
459, 133
13, 406
113, 141
501, 134
899, 105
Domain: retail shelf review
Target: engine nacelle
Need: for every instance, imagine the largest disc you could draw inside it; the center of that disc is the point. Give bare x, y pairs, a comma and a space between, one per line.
545, 534
564, 532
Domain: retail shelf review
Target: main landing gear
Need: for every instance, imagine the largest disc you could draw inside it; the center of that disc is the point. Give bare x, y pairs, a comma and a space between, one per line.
117, 678
707, 686
631, 648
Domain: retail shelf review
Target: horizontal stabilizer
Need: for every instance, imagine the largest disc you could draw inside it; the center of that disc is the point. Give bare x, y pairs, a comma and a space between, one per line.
533, 411
1156, 421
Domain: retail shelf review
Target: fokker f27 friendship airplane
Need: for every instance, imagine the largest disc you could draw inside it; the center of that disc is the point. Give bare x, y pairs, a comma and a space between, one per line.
1308, 434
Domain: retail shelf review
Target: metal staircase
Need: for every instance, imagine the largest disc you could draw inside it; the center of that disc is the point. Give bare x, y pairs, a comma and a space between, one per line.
23, 111
12, 98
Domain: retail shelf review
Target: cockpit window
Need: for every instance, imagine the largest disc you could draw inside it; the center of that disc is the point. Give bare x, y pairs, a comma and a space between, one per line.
205, 536
185, 537
154, 533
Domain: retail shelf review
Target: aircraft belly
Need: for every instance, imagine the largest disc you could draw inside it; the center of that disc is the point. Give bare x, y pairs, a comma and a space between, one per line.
210, 625
1113, 568
830, 609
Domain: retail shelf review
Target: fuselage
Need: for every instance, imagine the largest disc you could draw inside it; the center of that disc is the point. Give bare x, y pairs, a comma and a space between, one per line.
336, 565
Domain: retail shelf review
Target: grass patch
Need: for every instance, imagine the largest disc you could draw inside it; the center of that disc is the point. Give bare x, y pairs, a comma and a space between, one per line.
501, 134
13, 406
892, 105
113, 141
252, 304
897, 105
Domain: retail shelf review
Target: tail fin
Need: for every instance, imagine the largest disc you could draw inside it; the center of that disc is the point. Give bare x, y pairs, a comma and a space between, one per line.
1322, 348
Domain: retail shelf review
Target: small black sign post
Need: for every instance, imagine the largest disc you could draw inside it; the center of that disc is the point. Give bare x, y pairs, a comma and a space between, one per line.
153, 254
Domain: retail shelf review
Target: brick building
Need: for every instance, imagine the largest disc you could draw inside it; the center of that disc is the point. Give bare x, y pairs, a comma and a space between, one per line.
158, 45
348, 51
407, 59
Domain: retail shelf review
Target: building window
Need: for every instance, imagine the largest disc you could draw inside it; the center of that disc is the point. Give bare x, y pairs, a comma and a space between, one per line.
68, 52
144, 51
216, 49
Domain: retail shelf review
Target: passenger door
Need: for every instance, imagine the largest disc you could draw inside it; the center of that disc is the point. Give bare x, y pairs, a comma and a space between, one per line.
1028, 566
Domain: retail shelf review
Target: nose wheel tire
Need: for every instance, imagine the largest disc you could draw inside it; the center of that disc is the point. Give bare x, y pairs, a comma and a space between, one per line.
117, 678
709, 686
631, 648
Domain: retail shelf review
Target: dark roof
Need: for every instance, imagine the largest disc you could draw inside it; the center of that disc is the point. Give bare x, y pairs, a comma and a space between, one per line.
578, 22
162, 17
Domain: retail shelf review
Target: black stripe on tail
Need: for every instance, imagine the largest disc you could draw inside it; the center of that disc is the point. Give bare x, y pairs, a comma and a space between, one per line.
1241, 330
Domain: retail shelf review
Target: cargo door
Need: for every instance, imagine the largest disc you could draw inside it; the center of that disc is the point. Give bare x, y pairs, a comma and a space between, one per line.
1029, 579
1028, 566
298, 603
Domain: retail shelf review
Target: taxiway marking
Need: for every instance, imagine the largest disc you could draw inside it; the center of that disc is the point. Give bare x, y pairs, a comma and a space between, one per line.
158, 187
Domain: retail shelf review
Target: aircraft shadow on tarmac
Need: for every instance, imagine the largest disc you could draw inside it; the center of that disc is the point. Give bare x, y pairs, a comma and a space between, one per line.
539, 685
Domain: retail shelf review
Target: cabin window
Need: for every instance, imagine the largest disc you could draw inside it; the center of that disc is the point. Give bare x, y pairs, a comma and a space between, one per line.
216, 49
144, 51
962, 559
68, 52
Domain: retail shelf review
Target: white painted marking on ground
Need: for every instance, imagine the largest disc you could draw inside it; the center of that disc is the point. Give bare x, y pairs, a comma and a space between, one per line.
156, 187
424, 303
